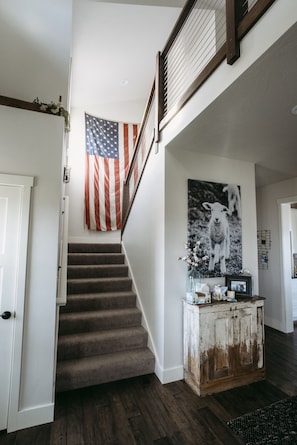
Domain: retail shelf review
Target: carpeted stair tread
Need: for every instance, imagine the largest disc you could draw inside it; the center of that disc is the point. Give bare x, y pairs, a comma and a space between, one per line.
85, 285
89, 371
101, 300
94, 247
101, 342
95, 258
96, 320
97, 271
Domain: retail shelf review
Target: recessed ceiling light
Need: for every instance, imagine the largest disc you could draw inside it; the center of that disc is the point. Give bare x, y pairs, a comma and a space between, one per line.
294, 110
124, 82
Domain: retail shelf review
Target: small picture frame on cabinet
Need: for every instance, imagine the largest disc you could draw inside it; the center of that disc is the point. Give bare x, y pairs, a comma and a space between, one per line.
240, 284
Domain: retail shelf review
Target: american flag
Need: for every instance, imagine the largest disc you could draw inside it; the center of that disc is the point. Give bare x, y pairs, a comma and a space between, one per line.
109, 149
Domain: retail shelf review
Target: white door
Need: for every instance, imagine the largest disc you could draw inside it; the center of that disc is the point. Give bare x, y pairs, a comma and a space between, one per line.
13, 208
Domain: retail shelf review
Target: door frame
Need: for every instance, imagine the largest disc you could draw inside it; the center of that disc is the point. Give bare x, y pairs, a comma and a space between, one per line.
286, 291
25, 183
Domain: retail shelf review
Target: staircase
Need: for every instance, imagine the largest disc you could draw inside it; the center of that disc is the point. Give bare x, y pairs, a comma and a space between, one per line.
100, 334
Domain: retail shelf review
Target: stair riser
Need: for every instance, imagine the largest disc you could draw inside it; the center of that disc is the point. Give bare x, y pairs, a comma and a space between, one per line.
71, 326
107, 371
97, 271
77, 304
81, 286
78, 349
74, 258
102, 248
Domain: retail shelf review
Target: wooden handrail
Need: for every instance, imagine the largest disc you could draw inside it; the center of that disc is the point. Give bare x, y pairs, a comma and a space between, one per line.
250, 19
140, 134
127, 200
179, 24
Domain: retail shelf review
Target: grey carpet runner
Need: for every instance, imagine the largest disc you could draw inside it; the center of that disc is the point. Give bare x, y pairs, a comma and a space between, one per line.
100, 334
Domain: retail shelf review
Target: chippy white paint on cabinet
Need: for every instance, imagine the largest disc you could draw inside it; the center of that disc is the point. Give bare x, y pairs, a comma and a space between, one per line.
223, 345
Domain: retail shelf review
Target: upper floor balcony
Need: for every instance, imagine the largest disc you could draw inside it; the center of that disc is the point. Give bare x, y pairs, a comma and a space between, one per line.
205, 48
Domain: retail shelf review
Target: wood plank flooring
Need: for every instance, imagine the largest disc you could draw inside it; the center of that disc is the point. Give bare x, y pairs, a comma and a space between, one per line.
141, 411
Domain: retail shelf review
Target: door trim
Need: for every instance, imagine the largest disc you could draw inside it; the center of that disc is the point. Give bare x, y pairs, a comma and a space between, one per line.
26, 184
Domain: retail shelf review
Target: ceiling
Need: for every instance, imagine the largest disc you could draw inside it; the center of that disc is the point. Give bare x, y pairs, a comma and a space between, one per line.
114, 52
115, 45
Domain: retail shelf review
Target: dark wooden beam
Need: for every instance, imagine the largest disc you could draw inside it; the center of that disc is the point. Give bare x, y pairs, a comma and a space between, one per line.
16, 103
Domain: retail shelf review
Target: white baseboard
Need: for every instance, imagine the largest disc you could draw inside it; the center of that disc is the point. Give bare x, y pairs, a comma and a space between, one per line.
27, 418
169, 375
274, 324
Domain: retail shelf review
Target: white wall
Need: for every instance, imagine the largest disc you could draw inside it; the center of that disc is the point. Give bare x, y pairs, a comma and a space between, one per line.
180, 166
144, 244
120, 112
35, 38
35, 149
155, 235
271, 281
35, 47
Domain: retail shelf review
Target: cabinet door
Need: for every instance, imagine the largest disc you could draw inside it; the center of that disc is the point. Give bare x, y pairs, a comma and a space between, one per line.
246, 352
216, 341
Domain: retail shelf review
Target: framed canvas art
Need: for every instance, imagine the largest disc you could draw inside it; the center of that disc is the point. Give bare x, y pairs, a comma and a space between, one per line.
214, 219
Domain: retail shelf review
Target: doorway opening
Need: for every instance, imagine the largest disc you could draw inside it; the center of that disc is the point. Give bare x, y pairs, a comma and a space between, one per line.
288, 239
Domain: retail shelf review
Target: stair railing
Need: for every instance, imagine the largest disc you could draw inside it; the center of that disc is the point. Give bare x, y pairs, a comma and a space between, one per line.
142, 150
206, 33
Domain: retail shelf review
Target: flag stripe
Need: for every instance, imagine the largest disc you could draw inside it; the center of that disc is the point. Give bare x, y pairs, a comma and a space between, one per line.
87, 193
96, 194
126, 149
117, 195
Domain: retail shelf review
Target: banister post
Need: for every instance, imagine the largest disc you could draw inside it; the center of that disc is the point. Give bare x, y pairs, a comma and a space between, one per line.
232, 41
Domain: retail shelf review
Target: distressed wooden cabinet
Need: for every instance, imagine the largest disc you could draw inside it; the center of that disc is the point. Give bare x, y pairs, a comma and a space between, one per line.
223, 345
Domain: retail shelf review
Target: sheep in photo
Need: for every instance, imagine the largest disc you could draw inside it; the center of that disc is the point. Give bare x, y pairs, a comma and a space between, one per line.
234, 202
219, 235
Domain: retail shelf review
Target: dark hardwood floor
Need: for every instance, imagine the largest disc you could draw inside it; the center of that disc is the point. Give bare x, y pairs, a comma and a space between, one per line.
141, 411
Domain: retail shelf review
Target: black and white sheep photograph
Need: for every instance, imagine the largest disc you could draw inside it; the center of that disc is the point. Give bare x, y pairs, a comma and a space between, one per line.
214, 220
